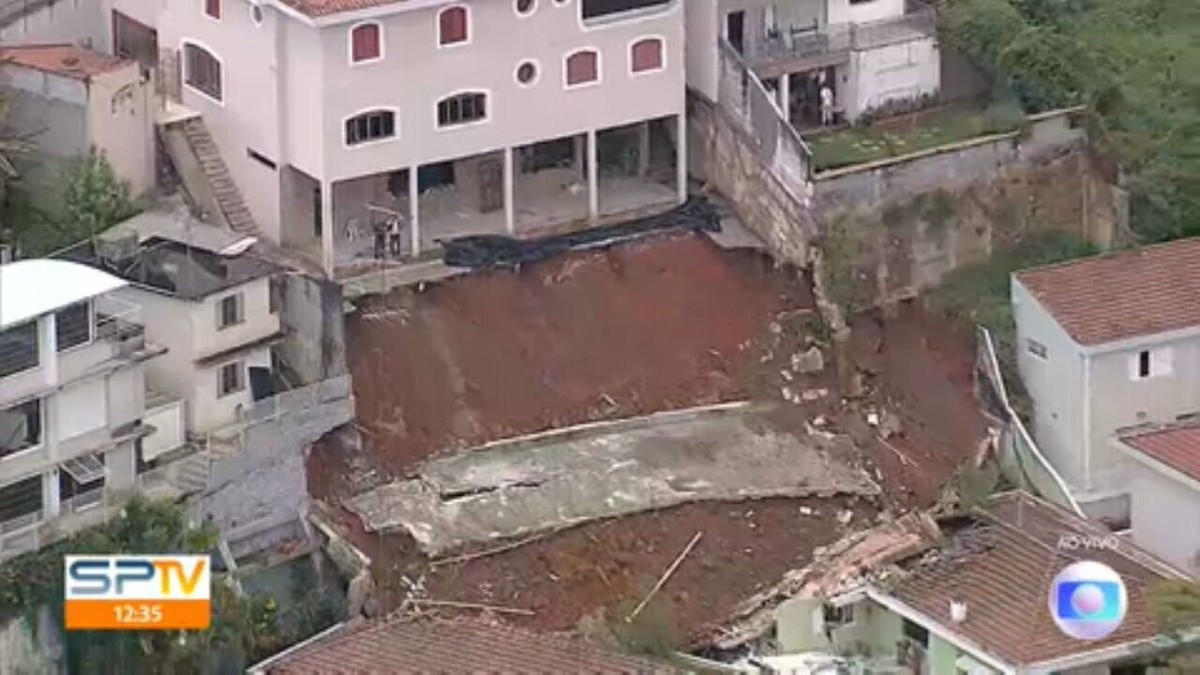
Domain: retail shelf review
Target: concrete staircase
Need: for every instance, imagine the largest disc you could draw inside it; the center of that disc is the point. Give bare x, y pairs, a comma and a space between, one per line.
205, 177
192, 474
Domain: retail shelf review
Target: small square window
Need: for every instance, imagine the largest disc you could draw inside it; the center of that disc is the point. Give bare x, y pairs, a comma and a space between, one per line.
1036, 348
213, 8
230, 311
230, 379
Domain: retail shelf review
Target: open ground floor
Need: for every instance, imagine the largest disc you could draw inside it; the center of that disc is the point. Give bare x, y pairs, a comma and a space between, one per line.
593, 178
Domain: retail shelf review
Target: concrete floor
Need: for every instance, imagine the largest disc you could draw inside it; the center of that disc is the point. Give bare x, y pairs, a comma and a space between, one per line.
728, 452
545, 200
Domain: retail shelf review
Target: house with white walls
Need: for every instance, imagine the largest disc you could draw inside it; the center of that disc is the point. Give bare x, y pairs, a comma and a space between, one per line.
1108, 348
313, 122
73, 401
873, 55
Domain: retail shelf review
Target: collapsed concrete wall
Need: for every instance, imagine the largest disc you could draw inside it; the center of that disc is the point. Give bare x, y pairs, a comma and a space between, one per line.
896, 227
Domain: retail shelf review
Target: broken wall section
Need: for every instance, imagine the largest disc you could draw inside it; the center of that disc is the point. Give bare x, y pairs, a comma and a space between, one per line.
896, 227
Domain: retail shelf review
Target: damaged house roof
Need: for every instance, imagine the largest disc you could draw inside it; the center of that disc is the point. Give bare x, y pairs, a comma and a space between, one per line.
1000, 562
443, 646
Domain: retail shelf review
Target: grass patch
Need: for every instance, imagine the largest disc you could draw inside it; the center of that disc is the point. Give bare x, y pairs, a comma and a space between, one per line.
858, 145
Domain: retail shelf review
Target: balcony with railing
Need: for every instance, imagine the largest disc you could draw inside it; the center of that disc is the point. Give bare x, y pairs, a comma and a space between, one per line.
792, 49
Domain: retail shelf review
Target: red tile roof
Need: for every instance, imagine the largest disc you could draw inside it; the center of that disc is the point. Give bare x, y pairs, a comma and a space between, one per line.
1001, 564
427, 646
66, 60
1122, 295
315, 8
1177, 447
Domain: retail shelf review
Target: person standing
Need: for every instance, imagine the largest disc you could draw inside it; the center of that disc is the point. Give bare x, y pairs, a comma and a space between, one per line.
380, 239
394, 231
826, 105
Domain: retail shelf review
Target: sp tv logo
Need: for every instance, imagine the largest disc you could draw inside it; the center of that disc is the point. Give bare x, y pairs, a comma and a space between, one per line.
127, 592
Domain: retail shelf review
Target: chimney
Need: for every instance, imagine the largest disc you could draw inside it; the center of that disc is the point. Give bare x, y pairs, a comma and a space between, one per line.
958, 611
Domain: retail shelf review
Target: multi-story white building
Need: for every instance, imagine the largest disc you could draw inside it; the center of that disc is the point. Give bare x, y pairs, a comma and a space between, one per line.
72, 400
870, 53
483, 116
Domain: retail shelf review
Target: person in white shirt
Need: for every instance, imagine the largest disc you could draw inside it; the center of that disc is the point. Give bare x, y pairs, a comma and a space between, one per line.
826, 106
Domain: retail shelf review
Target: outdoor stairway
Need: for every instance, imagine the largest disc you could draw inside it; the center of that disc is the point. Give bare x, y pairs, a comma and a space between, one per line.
193, 473
229, 197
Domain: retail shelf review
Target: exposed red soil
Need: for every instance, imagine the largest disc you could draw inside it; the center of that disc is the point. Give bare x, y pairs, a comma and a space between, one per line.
658, 324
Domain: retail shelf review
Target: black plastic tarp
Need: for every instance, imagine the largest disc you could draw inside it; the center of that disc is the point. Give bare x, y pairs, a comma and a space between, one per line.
482, 251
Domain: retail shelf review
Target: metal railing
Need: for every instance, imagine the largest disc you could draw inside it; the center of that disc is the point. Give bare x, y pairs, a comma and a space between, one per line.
21, 522
918, 23
743, 96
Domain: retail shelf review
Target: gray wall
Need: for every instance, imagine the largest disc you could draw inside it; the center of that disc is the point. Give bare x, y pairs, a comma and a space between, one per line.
78, 21
1165, 517
311, 311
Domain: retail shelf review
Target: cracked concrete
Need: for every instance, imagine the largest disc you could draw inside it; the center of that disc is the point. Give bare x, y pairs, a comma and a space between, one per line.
559, 479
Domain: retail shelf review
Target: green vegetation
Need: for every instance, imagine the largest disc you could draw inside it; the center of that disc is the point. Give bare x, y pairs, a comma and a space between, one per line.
244, 629
1176, 606
911, 133
1135, 63
84, 197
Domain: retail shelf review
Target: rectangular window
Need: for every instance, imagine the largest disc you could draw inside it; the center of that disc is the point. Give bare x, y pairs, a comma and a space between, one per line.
583, 67
1148, 363
202, 71
213, 8
18, 348
230, 311
73, 326
1036, 348
20, 427
365, 43
231, 379
274, 290
462, 109
839, 616
20, 503
593, 9
917, 633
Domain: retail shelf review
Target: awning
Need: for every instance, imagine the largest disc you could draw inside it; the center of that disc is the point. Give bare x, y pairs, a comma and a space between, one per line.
85, 469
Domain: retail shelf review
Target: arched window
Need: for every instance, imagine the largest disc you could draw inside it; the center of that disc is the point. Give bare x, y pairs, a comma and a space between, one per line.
366, 42
462, 108
646, 55
372, 125
202, 71
453, 26
583, 67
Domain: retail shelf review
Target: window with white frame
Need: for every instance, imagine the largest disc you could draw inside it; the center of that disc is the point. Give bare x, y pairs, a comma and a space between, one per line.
372, 125
582, 67
646, 55
596, 9
202, 71
231, 378
462, 109
366, 42
1148, 363
231, 311
212, 8
453, 26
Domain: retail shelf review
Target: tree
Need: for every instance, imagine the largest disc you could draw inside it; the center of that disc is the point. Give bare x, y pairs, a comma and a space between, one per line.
11, 147
1176, 605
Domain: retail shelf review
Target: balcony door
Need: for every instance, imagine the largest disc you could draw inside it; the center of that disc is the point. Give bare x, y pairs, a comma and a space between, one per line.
735, 30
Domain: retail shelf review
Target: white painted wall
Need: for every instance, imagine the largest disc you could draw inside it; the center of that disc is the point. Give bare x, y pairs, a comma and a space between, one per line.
702, 28
168, 323
897, 72
169, 426
81, 408
259, 322
415, 73
842, 11
248, 115
207, 411
1165, 515
120, 119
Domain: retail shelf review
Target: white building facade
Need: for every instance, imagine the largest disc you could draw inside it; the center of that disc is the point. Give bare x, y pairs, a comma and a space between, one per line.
72, 400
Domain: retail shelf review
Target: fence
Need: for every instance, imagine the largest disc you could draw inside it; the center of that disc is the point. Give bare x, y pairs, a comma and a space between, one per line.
741, 94
844, 37
1021, 460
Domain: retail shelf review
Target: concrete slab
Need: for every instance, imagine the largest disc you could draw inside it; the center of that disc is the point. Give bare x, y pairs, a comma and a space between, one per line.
559, 479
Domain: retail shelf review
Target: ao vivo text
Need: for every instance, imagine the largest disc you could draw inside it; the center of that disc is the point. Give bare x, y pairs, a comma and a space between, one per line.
134, 592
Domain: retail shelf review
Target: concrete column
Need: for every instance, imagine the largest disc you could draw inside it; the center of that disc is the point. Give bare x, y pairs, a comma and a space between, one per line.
509, 206
51, 502
643, 148
578, 143
593, 177
785, 96
414, 209
48, 348
681, 157
327, 225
